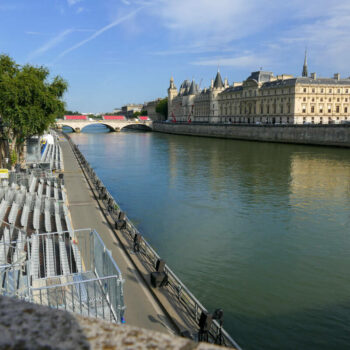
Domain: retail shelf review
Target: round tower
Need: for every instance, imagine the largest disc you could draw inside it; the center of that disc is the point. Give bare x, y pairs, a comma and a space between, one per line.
172, 93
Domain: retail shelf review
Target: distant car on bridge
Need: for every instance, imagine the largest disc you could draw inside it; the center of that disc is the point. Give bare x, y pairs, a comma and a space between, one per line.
144, 118
75, 117
113, 117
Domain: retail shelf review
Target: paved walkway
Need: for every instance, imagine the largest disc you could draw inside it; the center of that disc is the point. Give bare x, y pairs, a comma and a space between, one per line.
142, 310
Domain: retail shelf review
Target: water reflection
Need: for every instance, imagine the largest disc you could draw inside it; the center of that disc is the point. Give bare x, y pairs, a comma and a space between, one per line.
259, 229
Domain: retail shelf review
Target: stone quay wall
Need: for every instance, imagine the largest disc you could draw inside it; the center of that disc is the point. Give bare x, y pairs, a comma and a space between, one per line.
324, 135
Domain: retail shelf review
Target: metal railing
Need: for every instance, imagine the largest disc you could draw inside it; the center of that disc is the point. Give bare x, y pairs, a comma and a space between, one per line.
71, 272
192, 305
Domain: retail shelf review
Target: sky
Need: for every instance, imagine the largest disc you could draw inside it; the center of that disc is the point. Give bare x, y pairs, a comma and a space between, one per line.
114, 52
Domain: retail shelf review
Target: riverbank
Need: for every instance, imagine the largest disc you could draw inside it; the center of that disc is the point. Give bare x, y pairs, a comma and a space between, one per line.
337, 135
178, 304
85, 211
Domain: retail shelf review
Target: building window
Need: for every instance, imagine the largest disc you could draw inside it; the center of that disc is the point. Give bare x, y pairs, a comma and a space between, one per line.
304, 99
346, 91
330, 91
304, 109
329, 100
337, 108
312, 109
346, 100
345, 109
313, 90
338, 99
338, 91
304, 90
321, 99
313, 99
322, 91
321, 109
329, 108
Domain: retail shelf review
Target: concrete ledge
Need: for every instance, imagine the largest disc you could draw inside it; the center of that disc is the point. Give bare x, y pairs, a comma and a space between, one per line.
323, 135
29, 326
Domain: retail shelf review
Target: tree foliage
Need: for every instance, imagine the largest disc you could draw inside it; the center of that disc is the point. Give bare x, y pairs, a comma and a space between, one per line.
143, 112
162, 107
29, 103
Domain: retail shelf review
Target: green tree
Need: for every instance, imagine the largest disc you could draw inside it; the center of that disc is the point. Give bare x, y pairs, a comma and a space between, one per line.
162, 107
29, 103
136, 114
143, 112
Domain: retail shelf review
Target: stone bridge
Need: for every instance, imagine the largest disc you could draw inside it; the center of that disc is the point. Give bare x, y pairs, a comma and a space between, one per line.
112, 125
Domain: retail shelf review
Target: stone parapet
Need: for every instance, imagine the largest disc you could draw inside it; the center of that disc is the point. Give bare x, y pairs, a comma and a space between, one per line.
325, 135
30, 326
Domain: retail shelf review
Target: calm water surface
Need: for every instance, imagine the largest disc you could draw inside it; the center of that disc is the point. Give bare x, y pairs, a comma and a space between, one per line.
261, 230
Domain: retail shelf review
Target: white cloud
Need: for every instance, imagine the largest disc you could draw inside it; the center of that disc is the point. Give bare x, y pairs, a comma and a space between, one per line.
73, 2
250, 61
204, 26
50, 44
99, 32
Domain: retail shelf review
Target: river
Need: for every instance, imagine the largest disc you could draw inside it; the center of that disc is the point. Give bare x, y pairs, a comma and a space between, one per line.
261, 230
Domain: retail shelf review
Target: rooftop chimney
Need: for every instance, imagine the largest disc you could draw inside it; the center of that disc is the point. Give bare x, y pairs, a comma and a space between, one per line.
313, 76
337, 76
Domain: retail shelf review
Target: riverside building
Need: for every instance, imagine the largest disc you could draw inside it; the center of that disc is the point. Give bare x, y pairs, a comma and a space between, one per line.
264, 99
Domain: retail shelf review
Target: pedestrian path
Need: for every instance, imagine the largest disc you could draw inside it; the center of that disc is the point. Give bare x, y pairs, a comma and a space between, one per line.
142, 310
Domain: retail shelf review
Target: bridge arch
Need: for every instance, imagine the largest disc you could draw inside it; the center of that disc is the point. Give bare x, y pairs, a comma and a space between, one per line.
137, 126
67, 126
110, 128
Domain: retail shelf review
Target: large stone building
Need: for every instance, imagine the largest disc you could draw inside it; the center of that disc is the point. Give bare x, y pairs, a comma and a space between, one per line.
264, 98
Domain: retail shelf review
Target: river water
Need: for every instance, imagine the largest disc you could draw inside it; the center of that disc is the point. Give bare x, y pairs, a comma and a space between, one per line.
261, 230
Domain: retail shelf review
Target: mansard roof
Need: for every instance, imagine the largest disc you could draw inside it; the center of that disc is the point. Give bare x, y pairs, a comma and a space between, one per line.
233, 89
218, 81
307, 81
260, 76
321, 81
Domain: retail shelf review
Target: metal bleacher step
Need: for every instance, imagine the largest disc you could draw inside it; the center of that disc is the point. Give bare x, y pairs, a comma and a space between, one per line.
24, 216
63, 258
48, 221
4, 246
50, 258
34, 259
77, 257
13, 213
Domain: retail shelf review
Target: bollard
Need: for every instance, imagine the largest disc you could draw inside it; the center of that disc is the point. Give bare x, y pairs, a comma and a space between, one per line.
116, 212
137, 241
120, 224
102, 193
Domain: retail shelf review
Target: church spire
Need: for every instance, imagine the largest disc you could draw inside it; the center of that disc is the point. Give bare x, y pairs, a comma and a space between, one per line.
305, 72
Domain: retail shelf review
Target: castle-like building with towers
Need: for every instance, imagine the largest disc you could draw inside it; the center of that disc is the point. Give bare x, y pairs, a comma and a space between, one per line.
263, 98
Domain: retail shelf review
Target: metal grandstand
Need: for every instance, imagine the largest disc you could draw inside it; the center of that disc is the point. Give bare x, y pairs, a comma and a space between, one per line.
43, 260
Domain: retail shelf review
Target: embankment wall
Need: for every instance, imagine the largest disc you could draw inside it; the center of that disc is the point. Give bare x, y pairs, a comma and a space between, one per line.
326, 135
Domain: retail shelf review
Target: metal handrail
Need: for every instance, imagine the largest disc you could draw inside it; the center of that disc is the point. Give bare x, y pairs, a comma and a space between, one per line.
152, 255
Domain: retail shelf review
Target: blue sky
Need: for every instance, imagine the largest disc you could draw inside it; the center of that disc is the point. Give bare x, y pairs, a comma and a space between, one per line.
114, 52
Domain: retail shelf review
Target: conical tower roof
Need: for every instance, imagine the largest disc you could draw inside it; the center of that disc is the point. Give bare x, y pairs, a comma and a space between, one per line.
218, 81
305, 71
193, 89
